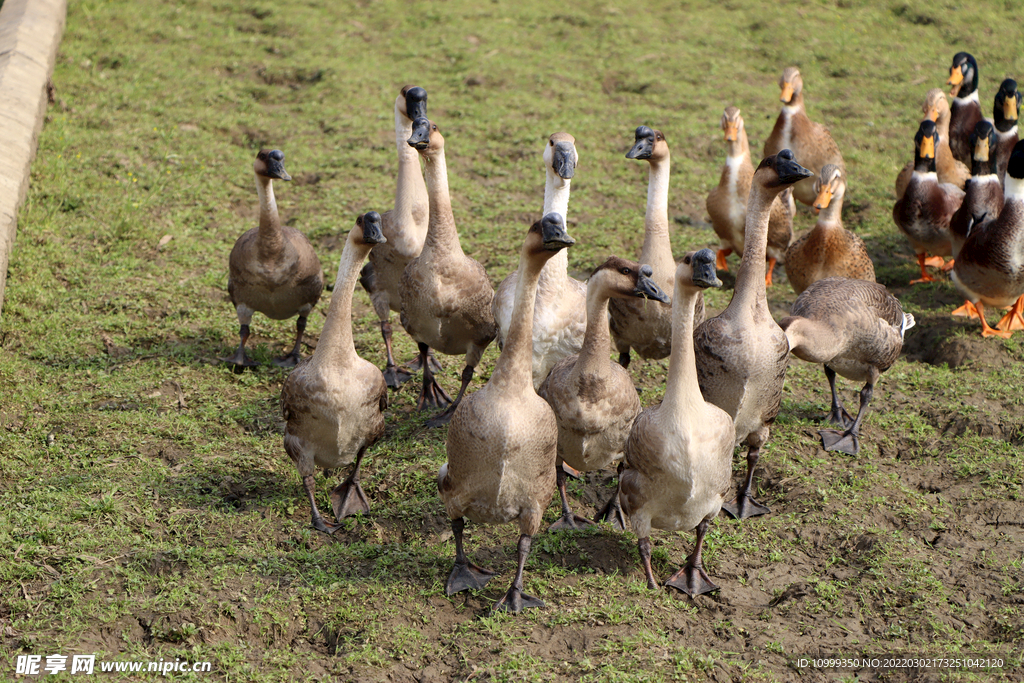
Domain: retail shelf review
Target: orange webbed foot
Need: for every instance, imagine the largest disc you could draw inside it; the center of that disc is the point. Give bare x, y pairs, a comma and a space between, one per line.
935, 262
720, 263
925, 278
968, 310
948, 265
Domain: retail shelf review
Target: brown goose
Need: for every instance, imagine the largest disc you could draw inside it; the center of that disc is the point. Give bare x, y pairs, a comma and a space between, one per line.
678, 466
502, 441
810, 142
854, 328
334, 401
926, 208
594, 399
727, 203
404, 227
965, 112
828, 249
1005, 111
273, 268
742, 352
642, 325
949, 169
446, 295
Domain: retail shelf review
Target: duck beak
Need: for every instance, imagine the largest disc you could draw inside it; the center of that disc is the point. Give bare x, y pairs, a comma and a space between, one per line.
1010, 108
563, 160
787, 92
956, 77
981, 149
420, 138
823, 199
648, 288
552, 230
705, 275
933, 114
928, 148
732, 132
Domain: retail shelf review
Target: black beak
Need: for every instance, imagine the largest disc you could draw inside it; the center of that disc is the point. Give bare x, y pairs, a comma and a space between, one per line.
647, 288
275, 165
643, 147
372, 233
563, 159
705, 275
788, 170
416, 103
420, 138
552, 229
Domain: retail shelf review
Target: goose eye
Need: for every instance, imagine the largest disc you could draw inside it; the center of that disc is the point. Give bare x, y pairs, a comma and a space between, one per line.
626, 271
686, 260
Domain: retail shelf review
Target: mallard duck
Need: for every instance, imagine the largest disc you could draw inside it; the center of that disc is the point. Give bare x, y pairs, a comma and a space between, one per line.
502, 440
854, 328
810, 142
1005, 111
949, 169
828, 249
965, 112
334, 401
273, 268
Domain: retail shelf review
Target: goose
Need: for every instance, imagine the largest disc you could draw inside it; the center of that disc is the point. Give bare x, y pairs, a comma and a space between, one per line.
828, 249
854, 328
334, 401
502, 441
810, 142
642, 325
560, 315
742, 353
927, 206
989, 270
446, 295
1005, 111
965, 112
594, 399
949, 169
405, 227
727, 202
272, 268
678, 465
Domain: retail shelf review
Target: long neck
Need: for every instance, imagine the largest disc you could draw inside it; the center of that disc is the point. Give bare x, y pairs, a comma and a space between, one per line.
597, 341
682, 393
556, 198
833, 213
442, 237
942, 125
270, 240
657, 249
750, 289
514, 368
411, 191
335, 346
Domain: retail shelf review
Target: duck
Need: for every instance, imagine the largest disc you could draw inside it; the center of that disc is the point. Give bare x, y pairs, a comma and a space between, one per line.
678, 457
272, 268
983, 195
926, 208
594, 399
1005, 111
989, 270
446, 295
949, 169
965, 111
333, 402
503, 439
405, 227
742, 352
810, 142
637, 324
560, 315
828, 249
727, 202
854, 328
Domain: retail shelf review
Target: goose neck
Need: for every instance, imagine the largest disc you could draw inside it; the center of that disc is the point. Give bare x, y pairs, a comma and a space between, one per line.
750, 287
335, 346
594, 356
442, 236
410, 192
514, 367
682, 393
556, 194
270, 240
657, 249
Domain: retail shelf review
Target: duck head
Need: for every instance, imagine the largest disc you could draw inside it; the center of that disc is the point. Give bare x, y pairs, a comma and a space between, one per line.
548, 235
412, 102
732, 124
1013, 187
426, 138
984, 145
791, 84
649, 144
925, 141
560, 155
368, 229
697, 269
625, 279
780, 170
963, 75
827, 185
1007, 106
270, 164
935, 104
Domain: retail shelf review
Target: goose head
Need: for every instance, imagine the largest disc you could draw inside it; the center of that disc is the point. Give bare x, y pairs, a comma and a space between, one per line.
779, 171
270, 164
983, 148
649, 144
963, 75
697, 269
827, 185
732, 124
935, 104
426, 138
368, 229
560, 155
624, 279
925, 141
791, 84
412, 102
1007, 105
548, 236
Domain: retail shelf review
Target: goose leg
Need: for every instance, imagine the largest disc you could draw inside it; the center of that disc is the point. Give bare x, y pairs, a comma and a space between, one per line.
691, 578
987, 331
925, 277
568, 520
720, 262
239, 359
293, 358
838, 415
445, 417
393, 376
745, 506
644, 546
515, 600
432, 396
348, 498
612, 511
848, 441
1014, 320
465, 575
318, 521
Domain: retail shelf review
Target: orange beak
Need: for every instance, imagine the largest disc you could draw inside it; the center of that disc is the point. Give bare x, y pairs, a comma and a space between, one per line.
933, 114
824, 198
956, 77
732, 131
1010, 108
928, 148
787, 92
981, 149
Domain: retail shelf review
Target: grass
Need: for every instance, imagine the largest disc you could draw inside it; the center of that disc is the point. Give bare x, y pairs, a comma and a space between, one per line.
146, 504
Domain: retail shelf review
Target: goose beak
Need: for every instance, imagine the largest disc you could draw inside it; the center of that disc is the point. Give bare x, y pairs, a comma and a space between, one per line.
563, 160
416, 103
372, 233
705, 275
787, 93
552, 230
420, 138
648, 288
956, 77
275, 166
643, 147
788, 170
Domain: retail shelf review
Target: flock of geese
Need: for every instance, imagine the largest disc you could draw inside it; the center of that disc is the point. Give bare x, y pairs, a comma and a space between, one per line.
556, 403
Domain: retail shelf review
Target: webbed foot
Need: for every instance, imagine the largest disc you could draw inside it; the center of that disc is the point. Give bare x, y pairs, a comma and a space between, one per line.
433, 397
574, 522
842, 442
691, 580
840, 418
394, 377
515, 601
239, 360
612, 513
744, 506
348, 499
289, 361
466, 576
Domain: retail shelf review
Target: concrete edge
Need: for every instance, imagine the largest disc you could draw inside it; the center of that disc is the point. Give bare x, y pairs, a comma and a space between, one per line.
30, 33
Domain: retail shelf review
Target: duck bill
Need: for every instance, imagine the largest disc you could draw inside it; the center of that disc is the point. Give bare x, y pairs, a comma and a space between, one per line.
415, 103
732, 132
563, 160
372, 231
420, 138
928, 148
1010, 108
932, 114
956, 77
648, 289
981, 149
823, 199
787, 93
